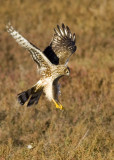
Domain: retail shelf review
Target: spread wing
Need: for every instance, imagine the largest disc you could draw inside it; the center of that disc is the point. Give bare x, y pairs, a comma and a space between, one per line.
37, 55
63, 43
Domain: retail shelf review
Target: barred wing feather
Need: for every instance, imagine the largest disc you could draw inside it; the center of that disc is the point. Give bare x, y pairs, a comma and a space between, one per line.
37, 55
63, 43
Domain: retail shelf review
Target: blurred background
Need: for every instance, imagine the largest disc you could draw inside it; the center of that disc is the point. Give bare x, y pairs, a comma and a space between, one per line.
84, 130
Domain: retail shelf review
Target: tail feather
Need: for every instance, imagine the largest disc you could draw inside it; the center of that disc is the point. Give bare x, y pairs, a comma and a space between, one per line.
24, 96
30, 95
34, 98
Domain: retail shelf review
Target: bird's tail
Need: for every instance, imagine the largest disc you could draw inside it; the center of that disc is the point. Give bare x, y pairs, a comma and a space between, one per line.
31, 95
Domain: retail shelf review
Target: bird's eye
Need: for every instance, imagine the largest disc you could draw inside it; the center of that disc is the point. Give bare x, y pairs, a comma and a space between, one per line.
66, 71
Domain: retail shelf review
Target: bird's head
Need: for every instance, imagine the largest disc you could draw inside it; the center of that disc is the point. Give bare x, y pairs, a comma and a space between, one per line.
63, 70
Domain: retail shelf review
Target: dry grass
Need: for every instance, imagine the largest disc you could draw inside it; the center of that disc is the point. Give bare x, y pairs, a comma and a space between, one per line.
84, 130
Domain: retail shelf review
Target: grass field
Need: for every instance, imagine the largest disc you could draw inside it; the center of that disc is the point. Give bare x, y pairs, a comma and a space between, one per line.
85, 129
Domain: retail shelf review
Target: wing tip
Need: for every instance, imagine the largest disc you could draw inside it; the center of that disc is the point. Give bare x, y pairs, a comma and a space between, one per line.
9, 27
64, 31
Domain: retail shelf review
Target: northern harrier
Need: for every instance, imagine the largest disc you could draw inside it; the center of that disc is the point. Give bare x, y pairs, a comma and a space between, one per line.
52, 64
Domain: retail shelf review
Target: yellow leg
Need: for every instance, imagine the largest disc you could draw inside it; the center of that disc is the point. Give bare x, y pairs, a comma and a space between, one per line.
58, 105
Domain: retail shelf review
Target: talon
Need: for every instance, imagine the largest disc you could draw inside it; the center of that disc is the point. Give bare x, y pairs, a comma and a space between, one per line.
58, 105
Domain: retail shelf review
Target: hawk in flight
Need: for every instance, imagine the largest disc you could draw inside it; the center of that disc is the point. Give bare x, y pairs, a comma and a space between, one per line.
52, 64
